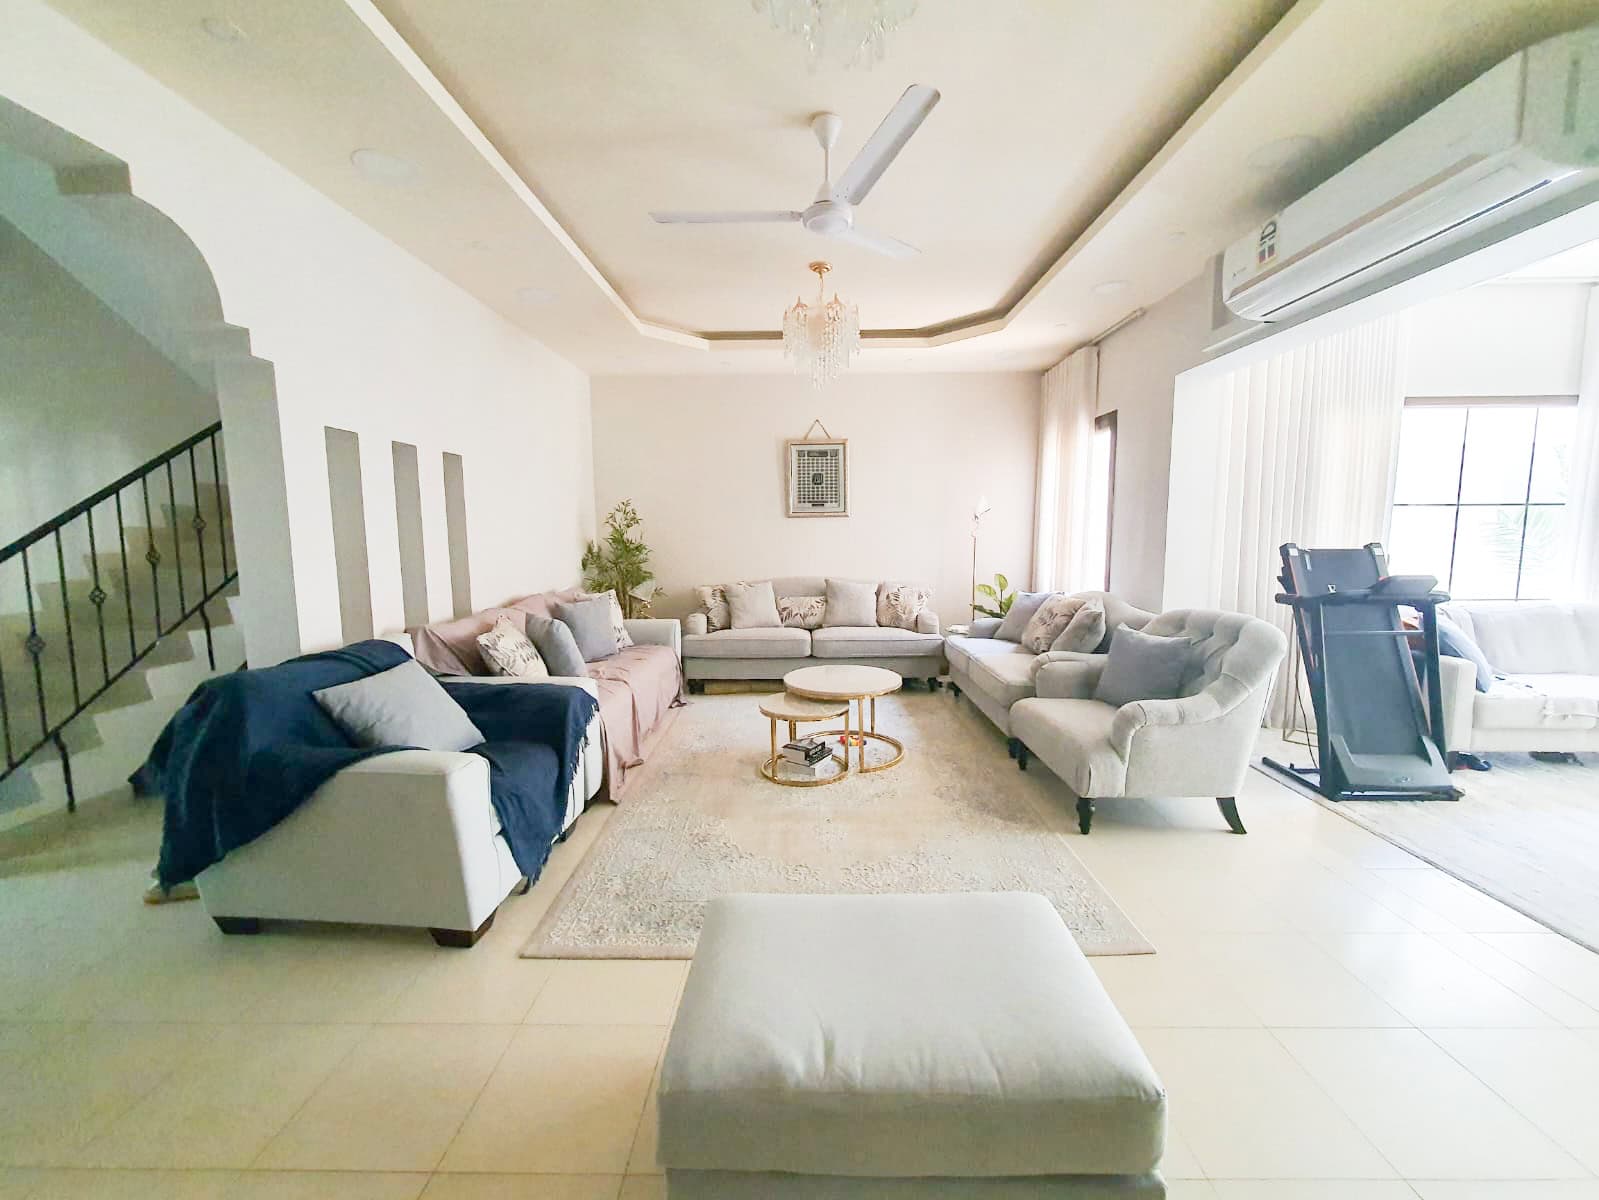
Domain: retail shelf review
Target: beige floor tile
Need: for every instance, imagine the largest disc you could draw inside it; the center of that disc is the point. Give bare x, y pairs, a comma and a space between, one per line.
1430, 1116
1562, 962
61, 1099
1176, 987
395, 1101
326, 1185
1465, 906
1179, 1161
1428, 983
1289, 981
222, 1108
1249, 1111
1312, 1189
1525, 982
22, 1040
80, 1184
489, 985
565, 1098
609, 992
1547, 1075
1557, 1189
18, 1183
653, 1187
641, 1158
523, 1187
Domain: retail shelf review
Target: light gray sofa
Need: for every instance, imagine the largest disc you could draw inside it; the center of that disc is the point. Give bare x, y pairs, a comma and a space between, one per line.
1198, 744
995, 674
772, 653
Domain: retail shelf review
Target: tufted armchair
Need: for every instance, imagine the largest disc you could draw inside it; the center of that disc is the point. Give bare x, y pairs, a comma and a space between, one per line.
1198, 744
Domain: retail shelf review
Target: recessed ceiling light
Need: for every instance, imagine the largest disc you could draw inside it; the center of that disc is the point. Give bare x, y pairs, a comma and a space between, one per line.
1111, 287
222, 29
383, 168
536, 295
1284, 152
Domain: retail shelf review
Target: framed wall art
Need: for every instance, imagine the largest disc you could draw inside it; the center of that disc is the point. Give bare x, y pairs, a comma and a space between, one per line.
818, 478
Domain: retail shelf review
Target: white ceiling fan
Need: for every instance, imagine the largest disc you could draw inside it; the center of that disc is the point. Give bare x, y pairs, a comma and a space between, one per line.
832, 213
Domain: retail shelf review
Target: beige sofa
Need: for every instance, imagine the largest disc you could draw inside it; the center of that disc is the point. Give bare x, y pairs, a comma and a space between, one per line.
772, 653
995, 674
1545, 695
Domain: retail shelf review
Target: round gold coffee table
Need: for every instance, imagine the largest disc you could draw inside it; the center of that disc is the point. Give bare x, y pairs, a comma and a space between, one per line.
794, 709
858, 684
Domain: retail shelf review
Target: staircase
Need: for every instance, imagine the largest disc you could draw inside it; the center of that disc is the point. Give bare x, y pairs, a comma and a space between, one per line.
110, 614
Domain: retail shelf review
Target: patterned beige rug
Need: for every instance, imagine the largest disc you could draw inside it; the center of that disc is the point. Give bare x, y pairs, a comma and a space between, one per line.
955, 816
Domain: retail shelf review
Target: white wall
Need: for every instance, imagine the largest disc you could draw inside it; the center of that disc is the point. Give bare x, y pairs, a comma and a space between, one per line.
1138, 368
1511, 339
362, 336
703, 459
83, 398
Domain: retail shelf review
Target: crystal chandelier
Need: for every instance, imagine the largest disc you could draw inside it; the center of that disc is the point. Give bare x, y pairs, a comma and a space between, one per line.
852, 31
821, 338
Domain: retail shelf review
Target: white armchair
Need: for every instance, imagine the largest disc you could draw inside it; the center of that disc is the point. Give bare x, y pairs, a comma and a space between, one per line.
1198, 744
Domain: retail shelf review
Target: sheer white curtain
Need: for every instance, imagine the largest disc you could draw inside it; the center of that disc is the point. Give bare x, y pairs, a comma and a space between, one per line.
1309, 440
1065, 444
1582, 502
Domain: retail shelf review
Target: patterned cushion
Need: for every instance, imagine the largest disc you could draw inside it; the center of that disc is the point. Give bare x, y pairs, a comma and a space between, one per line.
1046, 624
802, 612
619, 626
713, 603
899, 604
508, 651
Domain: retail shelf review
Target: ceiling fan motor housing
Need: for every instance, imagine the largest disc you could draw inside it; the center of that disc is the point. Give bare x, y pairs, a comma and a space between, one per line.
829, 217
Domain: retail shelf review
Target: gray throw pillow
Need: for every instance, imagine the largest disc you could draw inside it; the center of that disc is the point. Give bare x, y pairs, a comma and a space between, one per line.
753, 606
556, 646
1142, 666
1020, 612
403, 706
850, 605
590, 623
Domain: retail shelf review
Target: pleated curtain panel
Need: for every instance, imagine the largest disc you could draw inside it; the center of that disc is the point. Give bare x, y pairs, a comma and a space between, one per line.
1066, 434
1582, 502
1309, 442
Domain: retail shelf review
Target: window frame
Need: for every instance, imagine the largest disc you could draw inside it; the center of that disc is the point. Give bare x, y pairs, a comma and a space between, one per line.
1107, 420
1526, 503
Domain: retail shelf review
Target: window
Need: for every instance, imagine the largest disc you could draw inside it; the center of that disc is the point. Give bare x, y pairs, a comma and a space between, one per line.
1101, 497
1480, 493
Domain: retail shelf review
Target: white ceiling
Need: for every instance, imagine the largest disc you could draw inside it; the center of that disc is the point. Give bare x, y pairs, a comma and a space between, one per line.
1577, 265
1077, 144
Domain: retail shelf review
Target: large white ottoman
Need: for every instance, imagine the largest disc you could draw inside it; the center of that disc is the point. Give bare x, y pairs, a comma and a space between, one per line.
902, 1046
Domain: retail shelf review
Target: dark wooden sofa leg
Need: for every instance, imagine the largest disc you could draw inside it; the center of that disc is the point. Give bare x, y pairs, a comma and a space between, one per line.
461, 939
932, 683
1022, 755
1229, 810
238, 924
1085, 814
1012, 745
954, 689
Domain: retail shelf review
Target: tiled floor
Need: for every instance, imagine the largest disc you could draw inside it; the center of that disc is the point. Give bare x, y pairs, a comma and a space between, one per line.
1334, 1020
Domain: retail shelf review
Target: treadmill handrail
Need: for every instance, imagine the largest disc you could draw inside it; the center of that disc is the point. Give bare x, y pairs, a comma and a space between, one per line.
1361, 596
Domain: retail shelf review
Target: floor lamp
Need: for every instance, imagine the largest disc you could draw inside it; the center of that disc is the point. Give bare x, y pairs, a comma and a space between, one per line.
978, 514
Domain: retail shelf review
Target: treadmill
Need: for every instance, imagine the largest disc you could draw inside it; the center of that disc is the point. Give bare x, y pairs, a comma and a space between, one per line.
1376, 738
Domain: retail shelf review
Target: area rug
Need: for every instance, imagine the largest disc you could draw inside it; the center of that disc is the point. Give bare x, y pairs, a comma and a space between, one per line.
1525, 833
955, 816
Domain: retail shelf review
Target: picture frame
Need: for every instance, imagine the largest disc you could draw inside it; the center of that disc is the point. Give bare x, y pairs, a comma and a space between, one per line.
818, 477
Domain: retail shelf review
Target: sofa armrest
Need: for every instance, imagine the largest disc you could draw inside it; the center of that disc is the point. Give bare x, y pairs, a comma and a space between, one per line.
1068, 680
696, 623
1459, 679
1148, 714
1064, 656
656, 631
927, 622
983, 627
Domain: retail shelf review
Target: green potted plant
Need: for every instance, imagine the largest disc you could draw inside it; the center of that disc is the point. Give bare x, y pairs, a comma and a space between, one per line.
620, 562
999, 593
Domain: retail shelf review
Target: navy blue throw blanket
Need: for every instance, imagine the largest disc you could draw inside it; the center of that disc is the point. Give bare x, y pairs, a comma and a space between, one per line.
249, 748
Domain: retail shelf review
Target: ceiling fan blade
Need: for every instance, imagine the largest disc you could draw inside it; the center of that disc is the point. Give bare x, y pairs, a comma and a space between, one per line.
903, 120
879, 242
722, 218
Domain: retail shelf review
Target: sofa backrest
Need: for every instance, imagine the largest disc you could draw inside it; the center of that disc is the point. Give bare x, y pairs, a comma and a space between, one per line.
450, 647
815, 585
1117, 612
1532, 638
1243, 650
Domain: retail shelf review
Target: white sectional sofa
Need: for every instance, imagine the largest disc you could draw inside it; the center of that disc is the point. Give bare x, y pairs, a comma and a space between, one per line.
772, 653
1545, 694
407, 838
995, 674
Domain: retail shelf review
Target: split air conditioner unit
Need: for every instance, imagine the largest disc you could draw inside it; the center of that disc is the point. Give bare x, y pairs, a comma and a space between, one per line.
1523, 132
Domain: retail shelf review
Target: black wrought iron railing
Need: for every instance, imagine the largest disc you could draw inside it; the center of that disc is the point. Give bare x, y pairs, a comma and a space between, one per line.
91, 593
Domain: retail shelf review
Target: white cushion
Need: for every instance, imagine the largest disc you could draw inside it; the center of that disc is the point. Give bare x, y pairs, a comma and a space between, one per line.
1004, 678
1539, 702
1533, 638
902, 1035
886, 641
963, 650
748, 643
